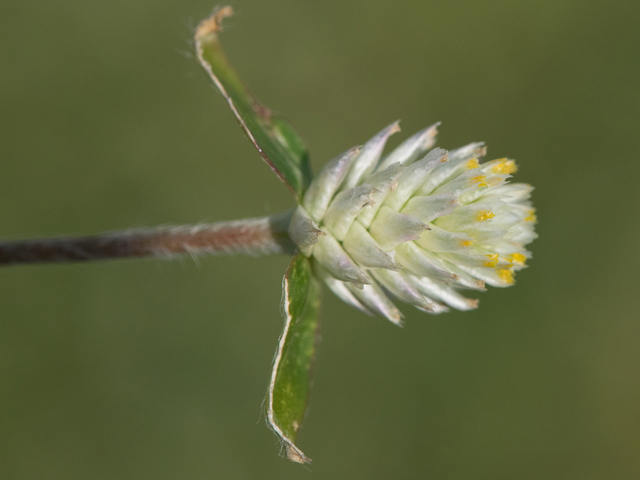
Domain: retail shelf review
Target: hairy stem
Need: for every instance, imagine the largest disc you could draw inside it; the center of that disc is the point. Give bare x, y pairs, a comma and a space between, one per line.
255, 236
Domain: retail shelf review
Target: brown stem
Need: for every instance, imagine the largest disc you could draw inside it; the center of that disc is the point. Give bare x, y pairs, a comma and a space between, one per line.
256, 236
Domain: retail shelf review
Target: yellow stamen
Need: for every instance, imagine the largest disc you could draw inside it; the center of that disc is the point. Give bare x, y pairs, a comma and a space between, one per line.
479, 179
467, 243
493, 260
505, 166
484, 215
473, 163
532, 216
519, 258
506, 275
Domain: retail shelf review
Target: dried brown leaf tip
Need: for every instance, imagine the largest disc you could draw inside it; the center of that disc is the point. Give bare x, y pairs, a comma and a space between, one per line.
213, 24
296, 455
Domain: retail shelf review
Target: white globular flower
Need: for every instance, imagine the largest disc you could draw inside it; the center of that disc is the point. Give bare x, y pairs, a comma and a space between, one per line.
418, 224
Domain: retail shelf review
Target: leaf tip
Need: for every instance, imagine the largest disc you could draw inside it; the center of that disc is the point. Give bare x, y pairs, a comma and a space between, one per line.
296, 455
213, 24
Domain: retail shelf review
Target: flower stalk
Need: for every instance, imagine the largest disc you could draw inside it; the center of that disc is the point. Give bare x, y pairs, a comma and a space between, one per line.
255, 236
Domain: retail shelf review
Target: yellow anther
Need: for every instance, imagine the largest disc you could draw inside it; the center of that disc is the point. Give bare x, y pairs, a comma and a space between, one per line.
480, 180
532, 216
473, 163
467, 243
506, 275
493, 260
505, 166
519, 258
484, 215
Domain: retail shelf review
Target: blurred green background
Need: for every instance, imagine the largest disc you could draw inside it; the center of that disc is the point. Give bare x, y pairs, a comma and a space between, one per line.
144, 369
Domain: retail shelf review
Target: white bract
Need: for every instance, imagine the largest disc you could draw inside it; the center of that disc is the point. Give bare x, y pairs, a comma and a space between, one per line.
418, 224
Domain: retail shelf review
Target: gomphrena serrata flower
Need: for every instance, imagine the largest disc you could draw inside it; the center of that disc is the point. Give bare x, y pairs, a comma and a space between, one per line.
418, 224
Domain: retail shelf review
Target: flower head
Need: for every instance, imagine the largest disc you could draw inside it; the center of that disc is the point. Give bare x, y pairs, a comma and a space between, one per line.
418, 224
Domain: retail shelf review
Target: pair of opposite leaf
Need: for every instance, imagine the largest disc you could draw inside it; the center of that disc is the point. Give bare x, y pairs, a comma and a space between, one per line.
418, 224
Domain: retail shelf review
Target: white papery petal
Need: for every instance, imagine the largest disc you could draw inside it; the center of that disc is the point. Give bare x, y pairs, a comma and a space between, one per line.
521, 233
487, 238
436, 310
384, 182
465, 280
513, 193
471, 179
391, 228
324, 186
377, 301
416, 260
485, 186
365, 250
401, 287
458, 277
507, 247
447, 172
476, 149
340, 289
412, 149
504, 220
346, 207
369, 157
470, 216
431, 207
446, 294
335, 260
476, 261
434, 307
440, 240
495, 278
413, 177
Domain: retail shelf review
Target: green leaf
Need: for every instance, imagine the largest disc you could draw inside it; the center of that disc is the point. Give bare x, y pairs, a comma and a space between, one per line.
276, 139
291, 377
